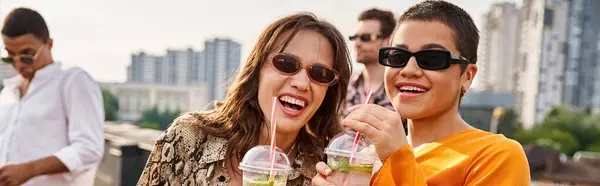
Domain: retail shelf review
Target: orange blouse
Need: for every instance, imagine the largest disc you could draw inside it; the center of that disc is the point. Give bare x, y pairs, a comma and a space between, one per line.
470, 157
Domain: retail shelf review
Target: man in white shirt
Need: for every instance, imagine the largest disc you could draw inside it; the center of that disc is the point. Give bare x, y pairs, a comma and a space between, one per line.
50, 119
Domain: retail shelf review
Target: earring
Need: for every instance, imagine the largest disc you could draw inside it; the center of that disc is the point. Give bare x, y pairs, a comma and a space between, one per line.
462, 96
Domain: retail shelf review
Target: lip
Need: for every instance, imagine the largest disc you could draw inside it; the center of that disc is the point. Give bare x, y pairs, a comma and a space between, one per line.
289, 112
410, 95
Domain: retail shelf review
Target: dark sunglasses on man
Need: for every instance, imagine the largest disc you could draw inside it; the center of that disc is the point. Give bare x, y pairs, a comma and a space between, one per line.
365, 37
25, 58
288, 64
428, 59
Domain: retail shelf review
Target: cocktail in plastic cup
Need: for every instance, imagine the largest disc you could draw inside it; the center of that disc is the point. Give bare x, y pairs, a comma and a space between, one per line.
339, 159
256, 166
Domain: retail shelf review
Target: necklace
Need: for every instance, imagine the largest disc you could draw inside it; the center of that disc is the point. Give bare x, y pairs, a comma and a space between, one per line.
292, 149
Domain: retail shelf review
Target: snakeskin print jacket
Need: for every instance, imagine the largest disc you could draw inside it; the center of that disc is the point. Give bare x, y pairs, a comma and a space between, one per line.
184, 156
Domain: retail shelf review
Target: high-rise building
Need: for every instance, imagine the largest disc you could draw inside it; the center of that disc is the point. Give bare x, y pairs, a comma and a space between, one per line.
557, 59
180, 65
197, 70
543, 36
498, 48
582, 82
144, 68
223, 59
215, 66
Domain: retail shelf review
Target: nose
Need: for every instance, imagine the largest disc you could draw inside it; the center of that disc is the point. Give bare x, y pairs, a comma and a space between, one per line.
18, 63
412, 69
300, 80
357, 43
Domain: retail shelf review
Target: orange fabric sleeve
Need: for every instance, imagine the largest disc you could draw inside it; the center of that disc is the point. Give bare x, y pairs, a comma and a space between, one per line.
400, 169
502, 164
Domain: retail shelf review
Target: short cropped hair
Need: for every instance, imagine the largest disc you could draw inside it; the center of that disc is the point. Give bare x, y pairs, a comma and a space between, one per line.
21, 21
386, 18
466, 34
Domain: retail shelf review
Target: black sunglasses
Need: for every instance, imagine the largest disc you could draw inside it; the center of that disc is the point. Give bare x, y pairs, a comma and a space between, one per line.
365, 37
290, 65
429, 59
25, 58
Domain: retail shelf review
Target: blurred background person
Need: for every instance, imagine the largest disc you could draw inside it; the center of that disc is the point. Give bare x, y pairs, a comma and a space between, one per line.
50, 119
373, 32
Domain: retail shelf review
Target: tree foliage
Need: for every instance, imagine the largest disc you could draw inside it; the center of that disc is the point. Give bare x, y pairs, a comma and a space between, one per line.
508, 123
111, 106
565, 130
156, 119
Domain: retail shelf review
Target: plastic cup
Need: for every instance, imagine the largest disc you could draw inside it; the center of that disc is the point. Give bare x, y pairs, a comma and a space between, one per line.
256, 166
339, 155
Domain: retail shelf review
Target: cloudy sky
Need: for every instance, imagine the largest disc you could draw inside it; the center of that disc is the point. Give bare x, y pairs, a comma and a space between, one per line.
100, 35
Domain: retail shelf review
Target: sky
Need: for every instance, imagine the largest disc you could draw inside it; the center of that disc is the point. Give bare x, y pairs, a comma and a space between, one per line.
101, 35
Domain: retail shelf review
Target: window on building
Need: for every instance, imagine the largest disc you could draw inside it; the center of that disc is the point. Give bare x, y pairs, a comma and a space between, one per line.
524, 63
535, 19
565, 48
560, 78
548, 17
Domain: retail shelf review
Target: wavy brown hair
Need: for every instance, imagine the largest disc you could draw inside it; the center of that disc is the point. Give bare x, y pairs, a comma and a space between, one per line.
239, 117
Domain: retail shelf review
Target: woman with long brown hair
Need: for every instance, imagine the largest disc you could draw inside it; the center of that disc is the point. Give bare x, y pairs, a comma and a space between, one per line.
301, 60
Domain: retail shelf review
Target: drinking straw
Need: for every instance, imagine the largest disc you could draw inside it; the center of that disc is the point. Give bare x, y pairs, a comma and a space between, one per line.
356, 140
273, 127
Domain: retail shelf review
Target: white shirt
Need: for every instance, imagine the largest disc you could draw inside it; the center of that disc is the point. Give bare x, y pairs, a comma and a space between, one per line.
42, 124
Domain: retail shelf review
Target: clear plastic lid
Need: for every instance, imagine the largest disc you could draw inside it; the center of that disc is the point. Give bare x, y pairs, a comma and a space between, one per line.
257, 160
342, 144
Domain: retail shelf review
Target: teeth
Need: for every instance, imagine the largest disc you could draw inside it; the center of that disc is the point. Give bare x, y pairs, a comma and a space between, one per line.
412, 88
292, 100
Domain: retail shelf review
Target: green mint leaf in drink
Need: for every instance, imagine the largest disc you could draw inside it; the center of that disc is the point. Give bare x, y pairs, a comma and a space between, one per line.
262, 178
344, 165
258, 183
264, 181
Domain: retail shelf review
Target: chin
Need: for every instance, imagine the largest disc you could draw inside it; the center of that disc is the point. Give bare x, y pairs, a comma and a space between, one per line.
28, 76
360, 59
410, 111
288, 128
410, 116
295, 122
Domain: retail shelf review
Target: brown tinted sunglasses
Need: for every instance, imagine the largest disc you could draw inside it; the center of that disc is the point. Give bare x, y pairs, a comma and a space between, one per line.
289, 65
